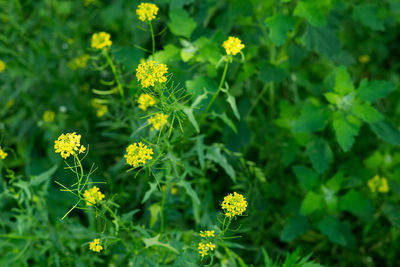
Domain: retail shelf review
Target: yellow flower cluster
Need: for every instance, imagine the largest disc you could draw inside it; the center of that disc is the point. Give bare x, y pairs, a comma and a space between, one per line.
207, 233
3, 154
364, 59
101, 109
49, 116
233, 45
147, 11
95, 245
379, 184
204, 248
145, 101
93, 196
79, 62
138, 154
2, 65
148, 73
234, 204
101, 40
158, 121
68, 144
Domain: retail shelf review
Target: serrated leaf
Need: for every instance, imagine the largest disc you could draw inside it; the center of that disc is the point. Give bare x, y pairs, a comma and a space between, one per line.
149, 242
355, 203
153, 188
312, 119
294, 227
331, 227
311, 203
324, 41
226, 120
367, 113
43, 177
311, 12
367, 15
386, 132
270, 73
189, 190
345, 131
279, 25
343, 82
307, 177
181, 24
189, 113
214, 154
372, 90
232, 102
320, 154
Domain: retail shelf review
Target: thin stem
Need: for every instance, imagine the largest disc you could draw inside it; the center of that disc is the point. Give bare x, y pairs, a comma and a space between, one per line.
219, 87
162, 209
153, 41
114, 71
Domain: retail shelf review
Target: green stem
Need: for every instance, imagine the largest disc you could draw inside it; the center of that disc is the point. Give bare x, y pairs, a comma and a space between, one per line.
153, 41
114, 71
162, 209
219, 87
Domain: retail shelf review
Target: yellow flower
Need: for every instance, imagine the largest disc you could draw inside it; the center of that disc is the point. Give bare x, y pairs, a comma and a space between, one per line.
233, 45
79, 62
145, 101
101, 40
101, 109
234, 204
148, 73
379, 184
95, 245
2, 65
207, 233
49, 115
174, 189
364, 59
3, 154
158, 121
92, 196
69, 144
147, 11
138, 154
204, 248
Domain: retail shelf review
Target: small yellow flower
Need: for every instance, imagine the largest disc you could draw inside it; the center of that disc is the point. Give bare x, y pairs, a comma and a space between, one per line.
145, 101
10, 103
101, 40
364, 59
3, 154
379, 184
93, 196
234, 204
207, 233
233, 45
70, 41
49, 116
79, 62
101, 109
2, 65
174, 189
147, 11
148, 73
69, 144
204, 248
95, 245
138, 154
158, 121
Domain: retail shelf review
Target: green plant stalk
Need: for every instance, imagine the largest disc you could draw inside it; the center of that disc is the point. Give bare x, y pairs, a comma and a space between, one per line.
219, 87
114, 71
162, 209
153, 41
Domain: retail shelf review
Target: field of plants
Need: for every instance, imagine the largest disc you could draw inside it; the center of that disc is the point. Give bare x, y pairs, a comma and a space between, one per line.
199, 133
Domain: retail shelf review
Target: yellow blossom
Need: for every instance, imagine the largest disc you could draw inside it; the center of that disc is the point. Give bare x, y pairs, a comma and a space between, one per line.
364, 59
148, 73
95, 245
79, 62
174, 189
92, 196
158, 121
233, 45
145, 101
69, 144
101, 40
234, 204
49, 115
2, 65
204, 248
3, 154
101, 109
147, 11
379, 184
207, 233
138, 154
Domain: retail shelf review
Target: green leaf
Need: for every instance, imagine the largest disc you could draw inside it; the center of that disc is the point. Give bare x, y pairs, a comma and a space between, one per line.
214, 154
155, 210
367, 15
307, 177
335, 183
43, 177
372, 90
153, 188
269, 73
189, 191
392, 212
331, 227
324, 41
279, 25
294, 227
386, 132
232, 102
343, 82
168, 54
311, 12
181, 24
355, 203
345, 131
367, 113
189, 113
320, 154
149, 242
200, 149
333, 98
226, 120
311, 203
312, 119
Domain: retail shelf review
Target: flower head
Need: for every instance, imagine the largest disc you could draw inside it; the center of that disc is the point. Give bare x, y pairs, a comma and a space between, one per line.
49, 115
148, 73
234, 204
147, 11
69, 144
95, 245
207, 233
379, 184
158, 121
101, 40
204, 248
137, 154
2, 65
3, 154
93, 196
79, 62
233, 45
145, 101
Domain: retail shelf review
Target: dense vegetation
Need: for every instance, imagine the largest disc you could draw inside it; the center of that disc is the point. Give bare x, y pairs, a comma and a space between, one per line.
199, 132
